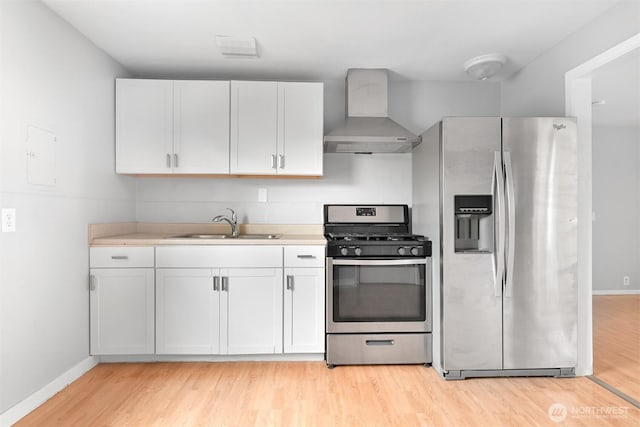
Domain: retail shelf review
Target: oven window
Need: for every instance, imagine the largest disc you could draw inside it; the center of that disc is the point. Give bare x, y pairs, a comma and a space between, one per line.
379, 293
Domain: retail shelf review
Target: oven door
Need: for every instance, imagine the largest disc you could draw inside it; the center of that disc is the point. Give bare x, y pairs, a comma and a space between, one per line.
373, 296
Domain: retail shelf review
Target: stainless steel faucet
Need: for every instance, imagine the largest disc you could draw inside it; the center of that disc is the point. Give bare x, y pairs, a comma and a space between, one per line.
233, 221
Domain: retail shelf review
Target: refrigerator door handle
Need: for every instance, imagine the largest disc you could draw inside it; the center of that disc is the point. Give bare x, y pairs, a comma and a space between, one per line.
511, 233
498, 194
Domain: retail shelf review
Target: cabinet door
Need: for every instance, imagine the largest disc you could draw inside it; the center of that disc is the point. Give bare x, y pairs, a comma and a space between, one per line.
144, 126
253, 127
251, 311
187, 312
201, 127
304, 297
300, 128
122, 311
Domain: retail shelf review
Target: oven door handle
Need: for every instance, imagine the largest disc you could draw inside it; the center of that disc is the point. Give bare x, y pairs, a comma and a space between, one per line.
384, 262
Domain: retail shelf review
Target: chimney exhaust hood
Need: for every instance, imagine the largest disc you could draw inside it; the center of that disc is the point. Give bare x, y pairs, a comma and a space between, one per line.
368, 128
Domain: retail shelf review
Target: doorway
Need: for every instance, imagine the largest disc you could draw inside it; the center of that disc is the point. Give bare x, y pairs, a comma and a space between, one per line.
608, 159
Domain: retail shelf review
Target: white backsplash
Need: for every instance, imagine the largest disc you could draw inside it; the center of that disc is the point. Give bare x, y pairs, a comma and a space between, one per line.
348, 178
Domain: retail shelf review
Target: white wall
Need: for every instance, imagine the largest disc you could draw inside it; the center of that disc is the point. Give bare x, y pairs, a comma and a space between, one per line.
53, 78
348, 178
538, 89
616, 203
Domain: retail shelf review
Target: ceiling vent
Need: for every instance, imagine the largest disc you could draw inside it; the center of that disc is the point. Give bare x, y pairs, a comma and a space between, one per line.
237, 47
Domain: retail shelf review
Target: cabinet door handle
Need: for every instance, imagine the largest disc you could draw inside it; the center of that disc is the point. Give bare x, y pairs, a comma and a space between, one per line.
168, 160
289, 282
175, 160
216, 283
225, 284
281, 161
273, 161
92, 283
120, 257
307, 256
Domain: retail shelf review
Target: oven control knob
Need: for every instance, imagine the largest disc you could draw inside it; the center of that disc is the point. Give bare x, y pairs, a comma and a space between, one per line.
414, 251
344, 251
358, 251
402, 251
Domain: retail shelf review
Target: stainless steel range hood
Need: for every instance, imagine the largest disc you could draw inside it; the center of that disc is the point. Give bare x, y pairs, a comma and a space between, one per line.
368, 129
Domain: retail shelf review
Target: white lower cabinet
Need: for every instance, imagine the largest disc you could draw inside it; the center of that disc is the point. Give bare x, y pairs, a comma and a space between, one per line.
187, 311
121, 301
219, 311
304, 310
251, 311
207, 300
304, 299
232, 307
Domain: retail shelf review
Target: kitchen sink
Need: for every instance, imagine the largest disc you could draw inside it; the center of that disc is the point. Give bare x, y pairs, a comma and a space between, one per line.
226, 236
202, 236
258, 236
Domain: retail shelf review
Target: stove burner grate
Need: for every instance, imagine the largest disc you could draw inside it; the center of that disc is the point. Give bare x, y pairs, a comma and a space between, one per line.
391, 237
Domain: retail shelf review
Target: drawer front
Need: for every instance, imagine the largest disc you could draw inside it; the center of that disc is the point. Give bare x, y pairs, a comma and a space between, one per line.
372, 349
304, 256
221, 256
121, 257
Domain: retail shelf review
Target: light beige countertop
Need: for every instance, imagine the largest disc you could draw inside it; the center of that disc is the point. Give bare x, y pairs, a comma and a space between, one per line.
154, 234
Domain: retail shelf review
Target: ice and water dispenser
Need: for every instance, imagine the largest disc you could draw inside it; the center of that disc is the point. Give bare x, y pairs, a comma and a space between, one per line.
474, 223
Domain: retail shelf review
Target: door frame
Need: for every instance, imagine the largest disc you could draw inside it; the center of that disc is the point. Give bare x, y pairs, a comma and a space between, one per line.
578, 104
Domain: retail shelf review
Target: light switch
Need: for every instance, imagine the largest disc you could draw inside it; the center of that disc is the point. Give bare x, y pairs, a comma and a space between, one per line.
8, 220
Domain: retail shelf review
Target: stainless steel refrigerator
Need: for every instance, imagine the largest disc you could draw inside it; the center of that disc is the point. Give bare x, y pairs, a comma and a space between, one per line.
508, 245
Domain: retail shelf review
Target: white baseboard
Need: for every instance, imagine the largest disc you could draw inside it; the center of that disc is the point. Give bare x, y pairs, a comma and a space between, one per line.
616, 292
289, 357
18, 411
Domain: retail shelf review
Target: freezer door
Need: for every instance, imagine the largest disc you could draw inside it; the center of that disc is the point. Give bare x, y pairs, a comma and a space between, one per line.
540, 295
471, 294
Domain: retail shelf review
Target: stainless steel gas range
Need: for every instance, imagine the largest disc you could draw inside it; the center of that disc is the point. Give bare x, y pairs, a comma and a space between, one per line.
378, 287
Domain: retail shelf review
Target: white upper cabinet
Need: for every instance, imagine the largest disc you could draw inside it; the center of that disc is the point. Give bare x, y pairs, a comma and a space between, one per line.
165, 126
300, 128
219, 127
276, 128
144, 126
254, 115
201, 127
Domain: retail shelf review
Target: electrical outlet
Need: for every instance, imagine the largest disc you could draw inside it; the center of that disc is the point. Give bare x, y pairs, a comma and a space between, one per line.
262, 195
625, 281
8, 220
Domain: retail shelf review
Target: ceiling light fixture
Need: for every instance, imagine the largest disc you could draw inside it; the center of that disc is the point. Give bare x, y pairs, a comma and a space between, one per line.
484, 67
237, 47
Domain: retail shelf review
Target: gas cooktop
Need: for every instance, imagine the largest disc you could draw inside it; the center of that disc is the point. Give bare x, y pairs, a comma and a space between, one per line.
375, 231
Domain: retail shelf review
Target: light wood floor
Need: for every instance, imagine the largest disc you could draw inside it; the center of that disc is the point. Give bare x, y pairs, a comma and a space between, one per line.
616, 342
308, 394
305, 394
